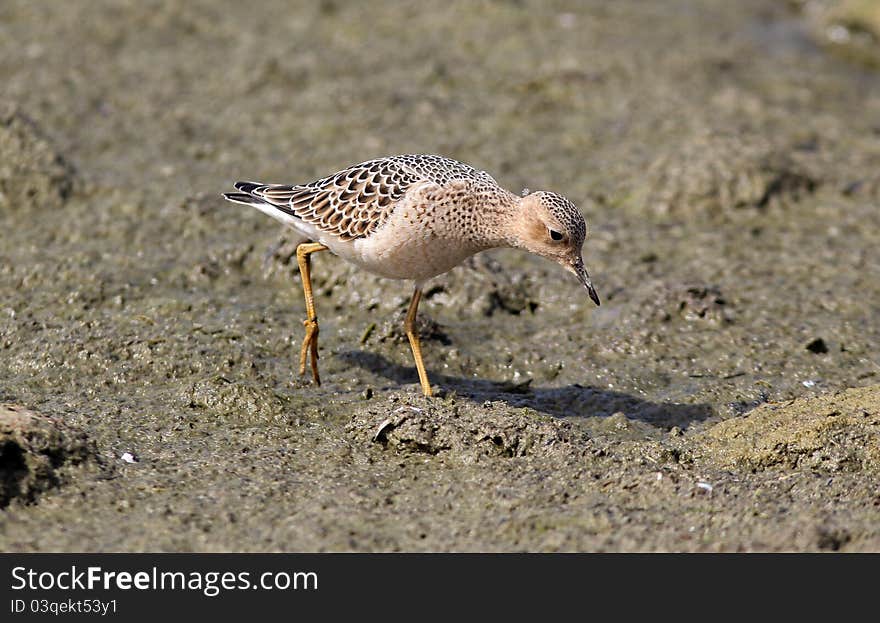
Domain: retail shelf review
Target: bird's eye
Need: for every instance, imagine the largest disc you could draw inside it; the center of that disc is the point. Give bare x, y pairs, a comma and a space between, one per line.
555, 235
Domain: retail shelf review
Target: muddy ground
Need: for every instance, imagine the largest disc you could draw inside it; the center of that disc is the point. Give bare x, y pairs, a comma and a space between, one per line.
725, 396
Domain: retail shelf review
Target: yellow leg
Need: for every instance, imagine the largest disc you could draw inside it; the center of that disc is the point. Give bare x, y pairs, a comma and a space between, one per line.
410, 326
310, 342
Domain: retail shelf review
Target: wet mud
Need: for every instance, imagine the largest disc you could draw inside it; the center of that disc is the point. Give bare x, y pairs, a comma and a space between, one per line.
724, 397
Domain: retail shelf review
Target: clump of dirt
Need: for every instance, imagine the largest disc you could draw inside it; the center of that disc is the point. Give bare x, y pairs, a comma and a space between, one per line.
657, 309
32, 172
829, 433
280, 257
484, 286
715, 172
34, 451
392, 330
700, 303
238, 403
465, 433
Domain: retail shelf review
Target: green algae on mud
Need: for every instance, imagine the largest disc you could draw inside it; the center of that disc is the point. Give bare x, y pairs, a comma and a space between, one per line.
826, 434
727, 167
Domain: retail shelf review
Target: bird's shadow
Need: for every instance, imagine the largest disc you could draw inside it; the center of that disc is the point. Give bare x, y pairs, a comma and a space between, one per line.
573, 400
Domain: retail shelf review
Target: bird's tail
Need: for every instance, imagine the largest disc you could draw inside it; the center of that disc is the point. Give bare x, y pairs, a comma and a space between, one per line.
245, 195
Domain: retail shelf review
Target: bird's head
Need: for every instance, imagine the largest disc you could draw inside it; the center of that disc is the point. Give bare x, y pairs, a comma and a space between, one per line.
550, 225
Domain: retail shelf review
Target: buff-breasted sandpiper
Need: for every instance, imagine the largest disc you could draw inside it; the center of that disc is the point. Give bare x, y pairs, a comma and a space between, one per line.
415, 217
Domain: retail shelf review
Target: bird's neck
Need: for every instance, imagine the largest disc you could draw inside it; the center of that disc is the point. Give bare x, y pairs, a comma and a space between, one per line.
492, 222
